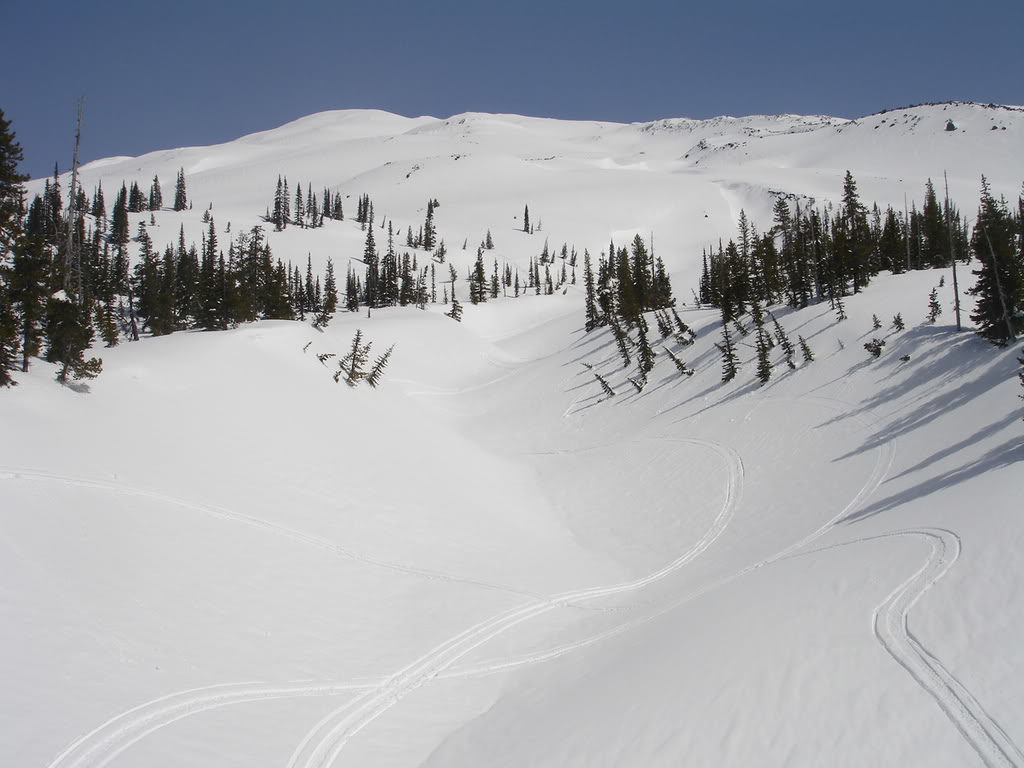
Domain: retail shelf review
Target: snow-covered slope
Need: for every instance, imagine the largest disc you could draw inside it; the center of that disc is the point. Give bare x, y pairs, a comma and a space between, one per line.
217, 556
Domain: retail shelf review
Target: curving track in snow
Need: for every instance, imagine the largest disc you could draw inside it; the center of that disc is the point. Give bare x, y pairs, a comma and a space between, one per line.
978, 728
325, 741
104, 743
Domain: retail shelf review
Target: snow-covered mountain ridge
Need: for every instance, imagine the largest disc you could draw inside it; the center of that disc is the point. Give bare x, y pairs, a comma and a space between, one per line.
218, 556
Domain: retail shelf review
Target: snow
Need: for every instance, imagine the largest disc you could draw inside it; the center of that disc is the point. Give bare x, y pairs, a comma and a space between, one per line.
214, 555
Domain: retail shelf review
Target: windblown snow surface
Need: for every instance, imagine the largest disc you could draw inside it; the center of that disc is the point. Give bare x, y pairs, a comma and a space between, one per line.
214, 555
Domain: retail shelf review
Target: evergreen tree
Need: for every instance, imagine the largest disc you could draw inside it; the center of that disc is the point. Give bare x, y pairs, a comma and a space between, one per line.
622, 341
784, 342
329, 304
456, 310
28, 291
11, 242
934, 307
69, 334
351, 366
805, 350
592, 321
428, 228
764, 365
377, 372
526, 219
478, 280
897, 322
605, 386
180, 196
679, 364
999, 288
8, 335
488, 242
156, 198
730, 364
119, 219
645, 355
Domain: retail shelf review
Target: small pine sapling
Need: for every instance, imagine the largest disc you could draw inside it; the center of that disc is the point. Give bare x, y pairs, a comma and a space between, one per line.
874, 347
897, 322
604, 385
373, 379
875, 322
805, 350
680, 365
934, 307
323, 357
684, 335
456, 310
638, 382
308, 343
352, 364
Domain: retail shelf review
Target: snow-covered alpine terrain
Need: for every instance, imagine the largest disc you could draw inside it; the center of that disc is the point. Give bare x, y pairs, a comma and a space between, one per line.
215, 556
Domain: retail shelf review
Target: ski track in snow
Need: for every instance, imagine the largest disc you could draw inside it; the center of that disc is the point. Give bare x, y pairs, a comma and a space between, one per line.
322, 745
978, 728
104, 743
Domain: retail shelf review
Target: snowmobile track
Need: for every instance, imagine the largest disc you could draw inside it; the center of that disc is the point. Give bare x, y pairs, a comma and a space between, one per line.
325, 741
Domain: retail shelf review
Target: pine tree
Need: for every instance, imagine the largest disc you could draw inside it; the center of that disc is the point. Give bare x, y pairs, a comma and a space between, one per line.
428, 228
897, 322
621, 340
526, 219
180, 196
1000, 276
119, 219
805, 350
645, 355
456, 310
377, 372
784, 342
679, 364
730, 364
934, 307
488, 242
478, 280
156, 198
605, 386
11, 242
840, 309
764, 365
329, 302
28, 291
592, 320
69, 334
875, 322
351, 366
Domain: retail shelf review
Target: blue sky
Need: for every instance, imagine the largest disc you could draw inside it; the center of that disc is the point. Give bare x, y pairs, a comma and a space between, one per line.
158, 75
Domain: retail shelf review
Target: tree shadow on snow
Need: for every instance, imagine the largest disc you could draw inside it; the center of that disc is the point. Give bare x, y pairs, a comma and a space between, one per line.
1010, 452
